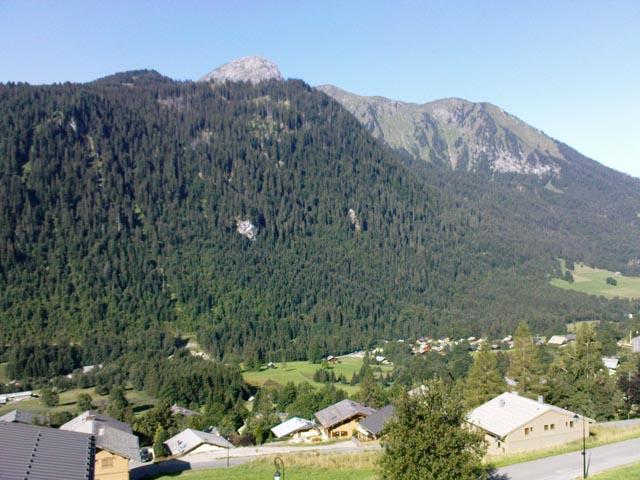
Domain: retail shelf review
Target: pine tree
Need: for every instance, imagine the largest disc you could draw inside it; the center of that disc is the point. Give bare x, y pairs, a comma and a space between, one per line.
525, 366
427, 439
371, 393
579, 382
484, 380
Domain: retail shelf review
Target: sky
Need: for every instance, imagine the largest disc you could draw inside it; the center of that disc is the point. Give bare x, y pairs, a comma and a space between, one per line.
569, 68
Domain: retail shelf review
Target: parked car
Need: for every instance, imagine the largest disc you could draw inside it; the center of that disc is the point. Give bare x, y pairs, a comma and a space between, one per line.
146, 454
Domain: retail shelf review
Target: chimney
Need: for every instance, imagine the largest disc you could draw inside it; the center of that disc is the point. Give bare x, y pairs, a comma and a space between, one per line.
540, 399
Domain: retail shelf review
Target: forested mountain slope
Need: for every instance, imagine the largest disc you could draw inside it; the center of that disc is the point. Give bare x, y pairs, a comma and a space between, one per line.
263, 217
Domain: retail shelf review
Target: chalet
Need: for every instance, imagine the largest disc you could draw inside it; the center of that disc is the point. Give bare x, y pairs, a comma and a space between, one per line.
340, 420
371, 427
15, 397
20, 416
178, 410
512, 423
635, 345
43, 453
333, 359
560, 340
611, 364
115, 444
298, 429
193, 442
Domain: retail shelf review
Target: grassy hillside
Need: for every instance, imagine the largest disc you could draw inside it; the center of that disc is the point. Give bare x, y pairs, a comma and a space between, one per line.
594, 282
140, 400
625, 473
298, 372
3, 373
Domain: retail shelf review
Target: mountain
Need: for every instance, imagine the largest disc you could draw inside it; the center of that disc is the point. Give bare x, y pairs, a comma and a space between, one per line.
266, 218
253, 69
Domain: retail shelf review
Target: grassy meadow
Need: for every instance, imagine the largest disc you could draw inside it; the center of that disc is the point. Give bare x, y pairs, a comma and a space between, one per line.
298, 372
593, 281
297, 467
68, 402
631, 472
3, 373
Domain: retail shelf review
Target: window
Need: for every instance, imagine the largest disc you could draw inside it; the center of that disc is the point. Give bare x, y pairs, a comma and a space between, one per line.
546, 427
571, 424
106, 463
552, 426
526, 431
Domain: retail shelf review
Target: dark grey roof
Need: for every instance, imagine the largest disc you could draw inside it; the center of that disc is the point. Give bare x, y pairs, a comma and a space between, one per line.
43, 453
111, 434
20, 416
375, 422
341, 411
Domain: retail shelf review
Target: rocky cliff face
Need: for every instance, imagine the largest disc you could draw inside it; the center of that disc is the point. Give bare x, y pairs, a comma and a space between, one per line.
456, 132
253, 69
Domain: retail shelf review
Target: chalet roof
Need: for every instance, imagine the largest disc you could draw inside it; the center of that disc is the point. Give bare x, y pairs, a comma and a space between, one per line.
341, 411
291, 426
43, 453
189, 439
19, 416
375, 422
178, 410
111, 434
509, 411
611, 362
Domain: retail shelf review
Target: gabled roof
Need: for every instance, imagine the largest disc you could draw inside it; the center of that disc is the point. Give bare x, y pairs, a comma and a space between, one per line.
189, 439
509, 411
111, 434
178, 410
375, 422
291, 426
611, 362
19, 416
43, 453
342, 411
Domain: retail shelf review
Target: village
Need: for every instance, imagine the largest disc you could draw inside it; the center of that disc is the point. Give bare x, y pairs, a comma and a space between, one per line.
102, 447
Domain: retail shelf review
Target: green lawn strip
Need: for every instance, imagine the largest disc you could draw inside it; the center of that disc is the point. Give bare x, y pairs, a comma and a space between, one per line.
631, 472
3, 373
298, 372
593, 281
252, 472
601, 436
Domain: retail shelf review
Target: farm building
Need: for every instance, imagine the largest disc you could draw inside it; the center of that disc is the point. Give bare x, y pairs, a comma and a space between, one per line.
43, 453
15, 397
298, 429
192, 442
340, 420
371, 427
21, 416
512, 423
115, 443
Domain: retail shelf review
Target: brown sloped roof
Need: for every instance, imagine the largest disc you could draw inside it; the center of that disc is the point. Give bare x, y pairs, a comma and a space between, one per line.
340, 412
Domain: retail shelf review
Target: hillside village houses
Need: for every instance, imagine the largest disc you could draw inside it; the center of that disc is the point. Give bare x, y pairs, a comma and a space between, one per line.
298, 430
115, 443
340, 420
15, 397
191, 442
513, 423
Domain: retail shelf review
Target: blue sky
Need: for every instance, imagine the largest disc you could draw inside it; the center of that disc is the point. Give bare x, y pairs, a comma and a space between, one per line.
570, 68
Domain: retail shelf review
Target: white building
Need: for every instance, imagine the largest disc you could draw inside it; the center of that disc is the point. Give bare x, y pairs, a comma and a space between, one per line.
299, 429
193, 442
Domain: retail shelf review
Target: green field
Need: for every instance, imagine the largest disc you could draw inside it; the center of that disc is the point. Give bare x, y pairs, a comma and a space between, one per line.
298, 372
68, 402
593, 281
625, 473
297, 467
3, 373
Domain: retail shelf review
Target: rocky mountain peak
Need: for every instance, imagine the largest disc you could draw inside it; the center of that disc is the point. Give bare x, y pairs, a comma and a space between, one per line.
254, 69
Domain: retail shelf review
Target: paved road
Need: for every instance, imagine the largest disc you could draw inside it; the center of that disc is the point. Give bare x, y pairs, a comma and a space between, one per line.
569, 465
561, 467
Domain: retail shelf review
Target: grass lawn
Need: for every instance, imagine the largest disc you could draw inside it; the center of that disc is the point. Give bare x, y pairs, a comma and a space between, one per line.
623, 473
68, 400
297, 467
3, 373
599, 436
298, 372
593, 281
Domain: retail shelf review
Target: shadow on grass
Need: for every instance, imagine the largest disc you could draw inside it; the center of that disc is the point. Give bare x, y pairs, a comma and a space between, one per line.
168, 468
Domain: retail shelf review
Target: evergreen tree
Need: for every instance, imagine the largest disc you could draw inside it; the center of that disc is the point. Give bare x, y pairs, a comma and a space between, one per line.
484, 380
50, 397
579, 382
84, 402
118, 406
160, 436
427, 439
371, 393
525, 366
